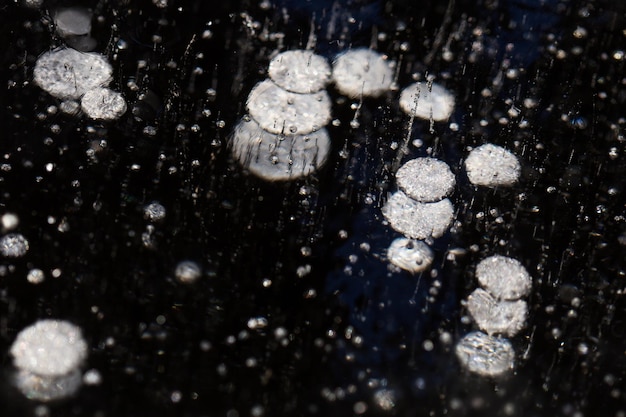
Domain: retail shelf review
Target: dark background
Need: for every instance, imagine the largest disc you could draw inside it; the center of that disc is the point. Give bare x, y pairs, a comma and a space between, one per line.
353, 326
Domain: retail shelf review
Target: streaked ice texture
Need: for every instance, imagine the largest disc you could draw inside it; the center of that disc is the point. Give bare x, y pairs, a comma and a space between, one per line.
13, 245
497, 317
492, 166
278, 157
426, 100
418, 220
300, 71
505, 278
485, 355
425, 179
103, 104
279, 111
69, 74
409, 254
362, 72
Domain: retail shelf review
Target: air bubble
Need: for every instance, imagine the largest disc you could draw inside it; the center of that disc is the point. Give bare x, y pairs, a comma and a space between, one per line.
426, 101
492, 166
300, 71
362, 72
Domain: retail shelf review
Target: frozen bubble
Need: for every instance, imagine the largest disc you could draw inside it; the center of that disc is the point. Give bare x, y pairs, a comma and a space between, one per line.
188, 272
13, 245
426, 100
497, 317
9, 221
485, 355
411, 255
103, 104
35, 4
425, 179
68, 74
70, 107
278, 157
491, 166
280, 111
154, 212
47, 388
505, 278
362, 72
35, 276
49, 348
300, 71
418, 220
72, 21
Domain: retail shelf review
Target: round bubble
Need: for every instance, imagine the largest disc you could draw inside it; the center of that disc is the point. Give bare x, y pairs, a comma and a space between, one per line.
497, 317
418, 220
492, 166
425, 179
47, 388
300, 71
505, 278
13, 245
485, 355
68, 74
278, 157
49, 348
103, 104
409, 254
72, 21
426, 100
187, 272
362, 72
282, 112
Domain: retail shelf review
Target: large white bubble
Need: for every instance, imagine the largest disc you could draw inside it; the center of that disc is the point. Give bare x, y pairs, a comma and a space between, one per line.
300, 71
494, 316
505, 278
72, 21
418, 220
103, 104
362, 72
485, 355
425, 179
69, 74
278, 157
491, 166
426, 100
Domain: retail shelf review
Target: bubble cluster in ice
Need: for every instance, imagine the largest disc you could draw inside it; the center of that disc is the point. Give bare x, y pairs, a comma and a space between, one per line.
505, 278
418, 220
425, 179
103, 104
497, 316
300, 71
485, 355
426, 100
411, 255
492, 166
362, 72
13, 245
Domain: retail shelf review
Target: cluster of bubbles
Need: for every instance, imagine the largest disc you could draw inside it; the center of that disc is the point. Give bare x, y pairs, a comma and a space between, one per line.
72, 74
48, 356
284, 137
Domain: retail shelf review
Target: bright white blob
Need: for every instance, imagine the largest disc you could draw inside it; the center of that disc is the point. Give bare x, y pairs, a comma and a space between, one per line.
278, 157
425, 179
103, 104
418, 220
409, 254
362, 72
485, 355
68, 74
187, 272
300, 71
13, 245
279, 111
497, 317
426, 100
505, 278
492, 166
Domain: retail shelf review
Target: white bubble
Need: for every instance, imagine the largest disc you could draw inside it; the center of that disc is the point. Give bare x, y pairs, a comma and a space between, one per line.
68, 74
362, 72
35, 276
13, 245
103, 104
9, 221
282, 112
188, 272
154, 212
409, 254
300, 71
426, 100
425, 179
47, 388
485, 355
418, 220
49, 348
72, 21
491, 166
278, 157
497, 317
505, 278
